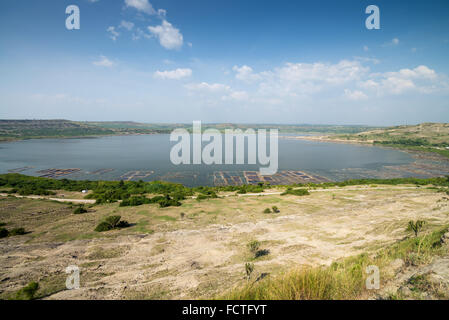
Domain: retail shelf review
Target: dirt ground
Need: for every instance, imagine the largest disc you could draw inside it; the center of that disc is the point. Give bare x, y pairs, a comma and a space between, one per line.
199, 250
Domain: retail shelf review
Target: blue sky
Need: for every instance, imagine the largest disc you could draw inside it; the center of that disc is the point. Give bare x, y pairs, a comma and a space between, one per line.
226, 61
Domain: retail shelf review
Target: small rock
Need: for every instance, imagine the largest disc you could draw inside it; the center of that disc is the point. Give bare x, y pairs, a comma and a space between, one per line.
405, 291
445, 238
397, 265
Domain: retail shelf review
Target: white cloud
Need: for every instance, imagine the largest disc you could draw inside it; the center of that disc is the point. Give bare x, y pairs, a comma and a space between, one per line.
173, 74
236, 95
365, 48
355, 95
127, 25
245, 73
305, 83
103, 62
113, 34
139, 33
141, 5
393, 42
420, 79
206, 87
301, 79
367, 59
169, 37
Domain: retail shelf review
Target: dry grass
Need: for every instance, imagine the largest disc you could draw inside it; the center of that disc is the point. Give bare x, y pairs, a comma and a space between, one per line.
342, 280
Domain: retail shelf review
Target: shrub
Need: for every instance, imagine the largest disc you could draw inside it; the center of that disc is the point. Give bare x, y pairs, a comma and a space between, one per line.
201, 197
249, 268
415, 226
267, 210
17, 232
4, 233
2, 224
169, 203
276, 209
28, 292
80, 210
261, 253
102, 227
254, 246
296, 192
113, 221
207, 195
110, 223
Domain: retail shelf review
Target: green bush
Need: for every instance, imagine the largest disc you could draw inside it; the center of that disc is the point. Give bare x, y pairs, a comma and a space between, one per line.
169, 203
102, 227
275, 209
296, 192
17, 232
267, 210
80, 210
4, 233
202, 197
163, 201
28, 292
111, 223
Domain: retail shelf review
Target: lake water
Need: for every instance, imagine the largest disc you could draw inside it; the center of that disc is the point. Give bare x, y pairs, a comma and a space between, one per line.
117, 157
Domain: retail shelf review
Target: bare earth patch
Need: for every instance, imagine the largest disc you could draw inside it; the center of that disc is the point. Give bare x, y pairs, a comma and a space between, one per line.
201, 253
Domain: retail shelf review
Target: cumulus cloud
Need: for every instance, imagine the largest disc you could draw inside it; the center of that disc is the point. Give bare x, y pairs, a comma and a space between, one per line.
420, 79
169, 37
236, 95
245, 73
141, 5
294, 83
208, 87
355, 95
113, 34
127, 25
301, 79
103, 62
173, 74
393, 42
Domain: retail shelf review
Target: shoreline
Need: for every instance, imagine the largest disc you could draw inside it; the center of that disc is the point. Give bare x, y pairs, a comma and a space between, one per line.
426, 154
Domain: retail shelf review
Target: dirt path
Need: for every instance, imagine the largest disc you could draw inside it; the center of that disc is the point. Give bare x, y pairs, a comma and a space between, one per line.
85, 201
325, 190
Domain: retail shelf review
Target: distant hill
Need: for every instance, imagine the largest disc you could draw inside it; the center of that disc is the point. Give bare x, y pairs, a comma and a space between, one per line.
32, 129
425, 133
433, 137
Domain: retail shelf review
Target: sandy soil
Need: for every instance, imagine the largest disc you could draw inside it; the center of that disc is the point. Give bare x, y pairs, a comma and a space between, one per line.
201, 260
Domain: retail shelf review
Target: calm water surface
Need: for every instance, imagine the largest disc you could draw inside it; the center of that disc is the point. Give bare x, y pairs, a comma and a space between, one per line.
152, 153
